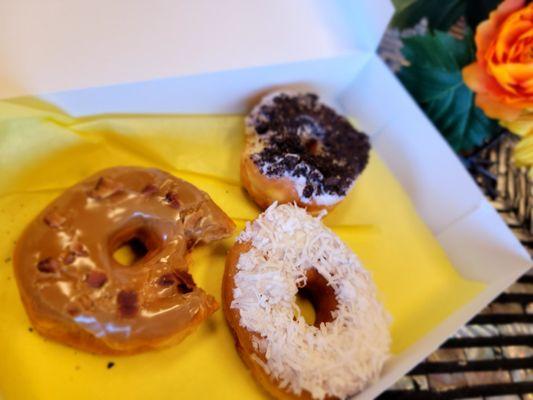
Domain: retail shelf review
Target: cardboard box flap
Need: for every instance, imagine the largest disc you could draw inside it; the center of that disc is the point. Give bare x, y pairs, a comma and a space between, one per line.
57, 46
440, 187
224, 92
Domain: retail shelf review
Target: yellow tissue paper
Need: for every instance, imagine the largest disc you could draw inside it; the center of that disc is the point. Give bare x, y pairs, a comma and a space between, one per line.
43, 151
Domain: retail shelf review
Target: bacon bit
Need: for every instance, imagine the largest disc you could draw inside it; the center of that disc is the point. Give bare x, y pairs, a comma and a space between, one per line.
166, 280
75, 250
185, 281
150, 189
48, 265
69, 258
96, 279
127, 301
79, 249
73, 311
172, 199
104, 188
54, 220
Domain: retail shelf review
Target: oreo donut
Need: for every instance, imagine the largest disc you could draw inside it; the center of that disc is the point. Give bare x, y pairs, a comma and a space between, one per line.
300, 150
74, 289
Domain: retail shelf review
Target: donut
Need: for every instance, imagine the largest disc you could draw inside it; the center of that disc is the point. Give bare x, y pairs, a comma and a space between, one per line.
299, 150
283, 253
77, 293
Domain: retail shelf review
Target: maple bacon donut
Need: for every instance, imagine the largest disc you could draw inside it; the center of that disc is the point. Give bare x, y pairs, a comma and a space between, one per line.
300, 150
283, 253
76, 292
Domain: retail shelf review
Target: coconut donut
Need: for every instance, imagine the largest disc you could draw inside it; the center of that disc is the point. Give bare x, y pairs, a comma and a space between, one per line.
77, 293
300, 150
286, 251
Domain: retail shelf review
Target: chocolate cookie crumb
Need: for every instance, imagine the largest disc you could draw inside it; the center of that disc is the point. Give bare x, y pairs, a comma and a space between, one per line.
305, 138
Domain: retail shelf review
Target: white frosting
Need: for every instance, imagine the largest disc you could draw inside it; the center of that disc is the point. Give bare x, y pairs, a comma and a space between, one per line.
299, 182
340, 357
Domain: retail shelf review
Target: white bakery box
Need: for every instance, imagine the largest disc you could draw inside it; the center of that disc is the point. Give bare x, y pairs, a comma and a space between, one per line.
169, 56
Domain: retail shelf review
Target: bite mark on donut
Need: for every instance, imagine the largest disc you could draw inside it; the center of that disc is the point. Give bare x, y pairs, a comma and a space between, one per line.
185, 282
182, 279
127, 301
48, 265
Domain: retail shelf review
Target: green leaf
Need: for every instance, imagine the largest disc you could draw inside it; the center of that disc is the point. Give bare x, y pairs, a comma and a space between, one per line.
435, 81
441, 14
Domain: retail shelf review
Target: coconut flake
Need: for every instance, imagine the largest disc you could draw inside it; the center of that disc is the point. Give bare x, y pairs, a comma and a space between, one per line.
339, 358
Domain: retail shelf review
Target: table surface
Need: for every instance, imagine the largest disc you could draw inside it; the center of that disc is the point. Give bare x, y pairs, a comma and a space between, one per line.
492, 356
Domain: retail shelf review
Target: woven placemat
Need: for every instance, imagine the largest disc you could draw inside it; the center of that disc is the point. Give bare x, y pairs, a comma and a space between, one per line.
492, 356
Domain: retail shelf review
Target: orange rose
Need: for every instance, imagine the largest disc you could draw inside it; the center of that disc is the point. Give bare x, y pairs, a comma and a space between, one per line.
502, 75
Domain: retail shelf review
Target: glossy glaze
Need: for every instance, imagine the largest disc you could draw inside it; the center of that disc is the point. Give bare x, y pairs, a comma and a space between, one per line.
67, 274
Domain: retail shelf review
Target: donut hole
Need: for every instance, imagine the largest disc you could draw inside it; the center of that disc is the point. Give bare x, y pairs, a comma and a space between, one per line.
131, 245
307, 309
316, 300
130, 252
